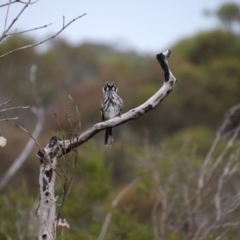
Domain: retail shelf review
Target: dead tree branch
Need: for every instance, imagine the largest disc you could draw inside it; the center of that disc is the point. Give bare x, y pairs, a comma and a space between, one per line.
199, 207
45, 40
5, 118
7, 32
63, 147
57, 147
40, 114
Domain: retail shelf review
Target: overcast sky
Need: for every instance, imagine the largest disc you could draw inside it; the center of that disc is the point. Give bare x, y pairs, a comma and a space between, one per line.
146, 26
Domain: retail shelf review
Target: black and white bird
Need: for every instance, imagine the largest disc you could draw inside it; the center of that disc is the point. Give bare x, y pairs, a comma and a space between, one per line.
111, 107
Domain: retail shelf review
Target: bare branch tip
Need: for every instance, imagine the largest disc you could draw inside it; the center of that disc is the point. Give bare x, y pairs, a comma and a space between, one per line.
70, 97
167, 53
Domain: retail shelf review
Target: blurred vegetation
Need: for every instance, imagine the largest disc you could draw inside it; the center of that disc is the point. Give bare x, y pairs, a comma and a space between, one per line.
180, 130
228, 14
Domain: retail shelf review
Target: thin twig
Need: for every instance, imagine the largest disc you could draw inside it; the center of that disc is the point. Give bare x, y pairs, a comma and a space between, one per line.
25, 130
77, 111
17, 1
5, 103
207, 160
6, 18
43, 41
8, 119
29, 30
68, 181
15, 19
13, 108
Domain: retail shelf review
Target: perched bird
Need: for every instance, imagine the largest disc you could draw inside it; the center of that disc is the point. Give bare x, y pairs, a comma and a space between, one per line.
111, 107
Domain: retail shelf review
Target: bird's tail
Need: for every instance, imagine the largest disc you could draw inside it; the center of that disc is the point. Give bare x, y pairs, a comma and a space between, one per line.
108, 137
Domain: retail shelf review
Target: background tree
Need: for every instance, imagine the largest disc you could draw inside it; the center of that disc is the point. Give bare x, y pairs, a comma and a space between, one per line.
228, 14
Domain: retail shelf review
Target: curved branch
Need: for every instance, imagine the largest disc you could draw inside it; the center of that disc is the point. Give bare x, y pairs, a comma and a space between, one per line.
56, 148
60, 147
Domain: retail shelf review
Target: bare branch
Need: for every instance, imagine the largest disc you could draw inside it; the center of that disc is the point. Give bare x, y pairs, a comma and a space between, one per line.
6, 18
78, 114
7, 109
36, 131
13, 108
66, 146
219, 136
40, 114
57, 148
29, 30
14, 20
5, 103
6, 29
43, 41
8, 119
17, 1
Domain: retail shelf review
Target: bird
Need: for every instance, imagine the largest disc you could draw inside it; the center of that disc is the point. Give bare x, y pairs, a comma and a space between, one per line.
111, 106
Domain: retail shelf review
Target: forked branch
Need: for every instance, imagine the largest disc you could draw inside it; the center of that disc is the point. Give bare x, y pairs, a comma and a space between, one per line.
7, 32
45, 40
62, 147
57, 147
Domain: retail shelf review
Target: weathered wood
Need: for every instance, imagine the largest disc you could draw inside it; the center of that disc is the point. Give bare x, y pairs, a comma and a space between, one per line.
56, 148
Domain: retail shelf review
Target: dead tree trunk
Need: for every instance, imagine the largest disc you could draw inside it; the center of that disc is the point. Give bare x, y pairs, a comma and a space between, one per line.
56, 148
47, 207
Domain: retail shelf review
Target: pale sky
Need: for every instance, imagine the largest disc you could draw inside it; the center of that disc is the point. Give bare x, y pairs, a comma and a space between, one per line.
146, 26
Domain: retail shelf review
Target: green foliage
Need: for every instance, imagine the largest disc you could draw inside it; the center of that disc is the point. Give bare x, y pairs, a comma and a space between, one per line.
208, 75
198, 138
206, 47
229, 13
125, 226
